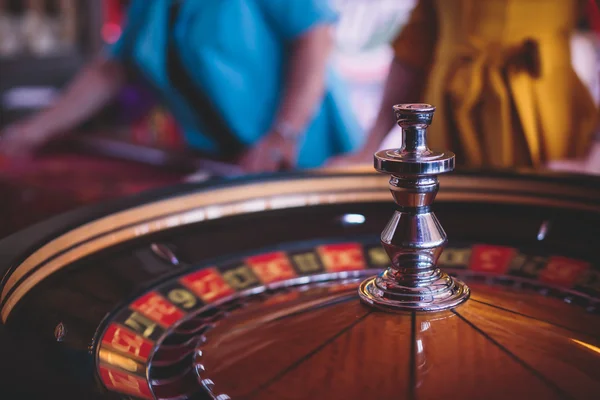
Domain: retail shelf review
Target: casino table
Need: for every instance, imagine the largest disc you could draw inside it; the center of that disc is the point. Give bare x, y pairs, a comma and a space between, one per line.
90, 167
257, 287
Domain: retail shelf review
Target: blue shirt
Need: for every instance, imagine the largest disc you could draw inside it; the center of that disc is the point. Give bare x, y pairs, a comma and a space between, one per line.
236, 51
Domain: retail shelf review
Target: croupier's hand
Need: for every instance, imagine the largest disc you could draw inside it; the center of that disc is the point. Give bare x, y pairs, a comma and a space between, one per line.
273, 153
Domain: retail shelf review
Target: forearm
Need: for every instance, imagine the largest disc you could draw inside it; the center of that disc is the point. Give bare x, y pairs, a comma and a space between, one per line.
305, 78
91, 89
403, 84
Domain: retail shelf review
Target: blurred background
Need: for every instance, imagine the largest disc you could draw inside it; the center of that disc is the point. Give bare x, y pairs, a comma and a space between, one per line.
45, 43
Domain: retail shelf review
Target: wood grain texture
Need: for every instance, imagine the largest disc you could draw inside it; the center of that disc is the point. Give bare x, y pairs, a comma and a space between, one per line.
456, 361
369, 361
241, 356
551, 310
548, 349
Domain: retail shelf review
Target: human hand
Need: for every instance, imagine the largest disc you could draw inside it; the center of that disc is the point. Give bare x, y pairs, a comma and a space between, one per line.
272, 153
22, 139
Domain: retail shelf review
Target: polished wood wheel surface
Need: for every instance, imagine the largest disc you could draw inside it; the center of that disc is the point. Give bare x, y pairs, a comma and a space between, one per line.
322, 345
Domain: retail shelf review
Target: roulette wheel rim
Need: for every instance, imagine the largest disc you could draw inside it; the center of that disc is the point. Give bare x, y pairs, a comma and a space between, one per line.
62, 233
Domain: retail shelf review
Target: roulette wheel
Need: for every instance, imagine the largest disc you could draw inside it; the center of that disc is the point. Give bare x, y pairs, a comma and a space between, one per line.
314, 285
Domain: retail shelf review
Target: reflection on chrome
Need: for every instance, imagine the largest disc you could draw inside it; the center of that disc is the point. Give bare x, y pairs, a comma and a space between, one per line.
413, 238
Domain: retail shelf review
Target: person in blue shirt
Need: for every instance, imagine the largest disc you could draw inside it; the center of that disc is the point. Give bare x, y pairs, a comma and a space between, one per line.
247, 80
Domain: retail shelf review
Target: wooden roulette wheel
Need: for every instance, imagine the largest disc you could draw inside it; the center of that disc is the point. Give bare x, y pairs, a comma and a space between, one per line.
262, 288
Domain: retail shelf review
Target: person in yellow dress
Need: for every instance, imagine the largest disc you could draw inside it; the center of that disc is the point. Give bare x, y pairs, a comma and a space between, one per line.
500, 75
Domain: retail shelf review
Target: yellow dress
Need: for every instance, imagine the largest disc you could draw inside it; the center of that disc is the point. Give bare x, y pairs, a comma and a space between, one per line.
501, 77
